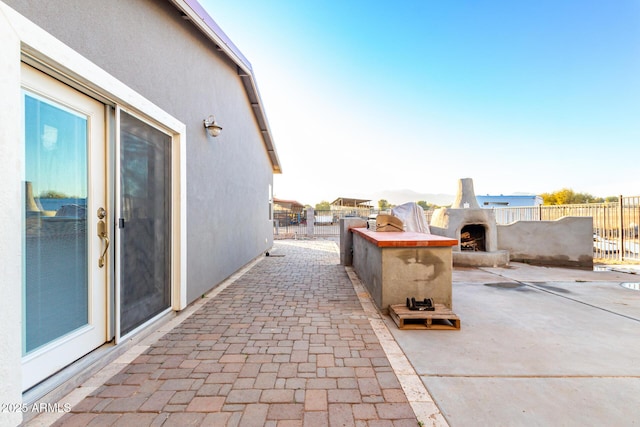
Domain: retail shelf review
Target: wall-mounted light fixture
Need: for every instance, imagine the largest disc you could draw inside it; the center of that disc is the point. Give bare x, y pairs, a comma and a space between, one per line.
212, 127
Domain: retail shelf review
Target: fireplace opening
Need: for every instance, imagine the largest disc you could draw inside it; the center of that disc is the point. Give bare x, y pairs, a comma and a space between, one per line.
472, 238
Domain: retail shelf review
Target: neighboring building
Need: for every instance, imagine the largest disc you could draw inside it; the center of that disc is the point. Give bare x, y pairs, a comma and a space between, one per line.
342, 203
288, 212
508, 201
118, 208
288, 205
349, 207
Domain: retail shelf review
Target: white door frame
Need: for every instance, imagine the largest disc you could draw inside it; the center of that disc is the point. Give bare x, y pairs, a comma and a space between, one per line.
175, 287
53, 356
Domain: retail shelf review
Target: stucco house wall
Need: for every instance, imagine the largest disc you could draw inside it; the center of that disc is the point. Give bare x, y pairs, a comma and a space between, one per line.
150, 47
157, 63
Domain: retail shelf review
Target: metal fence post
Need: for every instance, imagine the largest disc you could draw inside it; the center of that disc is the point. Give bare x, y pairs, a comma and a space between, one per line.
621, 229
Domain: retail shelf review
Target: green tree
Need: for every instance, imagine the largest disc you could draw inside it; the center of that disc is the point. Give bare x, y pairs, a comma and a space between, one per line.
51, 194
425, 205
383, 204
323, 206
567, 196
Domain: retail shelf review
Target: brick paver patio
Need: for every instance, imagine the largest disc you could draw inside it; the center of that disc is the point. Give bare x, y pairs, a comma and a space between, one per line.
287, 344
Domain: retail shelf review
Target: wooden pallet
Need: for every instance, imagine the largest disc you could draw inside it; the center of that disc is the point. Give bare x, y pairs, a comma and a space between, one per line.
440, 318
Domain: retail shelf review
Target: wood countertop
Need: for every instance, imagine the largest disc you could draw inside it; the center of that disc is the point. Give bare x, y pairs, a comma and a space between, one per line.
403, 239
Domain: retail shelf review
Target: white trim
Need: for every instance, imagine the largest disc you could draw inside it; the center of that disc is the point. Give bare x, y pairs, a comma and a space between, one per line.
11, 190
116, 228
214, 34
179, 227
44, 351
112, 176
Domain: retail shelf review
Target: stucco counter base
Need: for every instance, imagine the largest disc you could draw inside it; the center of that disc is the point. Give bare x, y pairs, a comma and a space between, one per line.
395, 266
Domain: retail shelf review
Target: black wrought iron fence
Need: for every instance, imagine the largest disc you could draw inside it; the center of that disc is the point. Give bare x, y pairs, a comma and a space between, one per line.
288, 223
314, 222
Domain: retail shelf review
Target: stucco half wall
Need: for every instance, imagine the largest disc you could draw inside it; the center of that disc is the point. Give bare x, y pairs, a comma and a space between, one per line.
404, 269
567, 241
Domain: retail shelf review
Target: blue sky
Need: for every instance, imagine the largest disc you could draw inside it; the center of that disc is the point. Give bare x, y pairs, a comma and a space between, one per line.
521, 96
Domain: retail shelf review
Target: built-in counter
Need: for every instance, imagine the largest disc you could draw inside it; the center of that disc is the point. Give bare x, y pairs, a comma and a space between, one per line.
395, 266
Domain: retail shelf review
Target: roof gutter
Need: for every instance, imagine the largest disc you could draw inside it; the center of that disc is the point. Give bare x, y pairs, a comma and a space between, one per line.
201, 19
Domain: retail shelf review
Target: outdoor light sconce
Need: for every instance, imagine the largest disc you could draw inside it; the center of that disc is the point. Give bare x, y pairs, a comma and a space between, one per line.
212, 127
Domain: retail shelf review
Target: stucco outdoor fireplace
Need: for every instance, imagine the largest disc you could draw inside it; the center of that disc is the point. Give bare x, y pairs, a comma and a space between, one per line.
474, 228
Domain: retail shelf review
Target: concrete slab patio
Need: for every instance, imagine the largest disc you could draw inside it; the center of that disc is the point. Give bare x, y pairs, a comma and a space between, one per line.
538, 347
295, 340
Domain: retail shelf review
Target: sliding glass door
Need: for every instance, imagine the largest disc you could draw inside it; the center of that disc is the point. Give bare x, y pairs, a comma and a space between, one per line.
144, 222
68, 297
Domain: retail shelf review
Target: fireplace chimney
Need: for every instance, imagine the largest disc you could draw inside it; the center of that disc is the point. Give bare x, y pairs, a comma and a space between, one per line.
466, 197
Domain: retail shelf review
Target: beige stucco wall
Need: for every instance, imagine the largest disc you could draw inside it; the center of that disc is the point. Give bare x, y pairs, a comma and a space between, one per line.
566, 241
346, 238
391, 275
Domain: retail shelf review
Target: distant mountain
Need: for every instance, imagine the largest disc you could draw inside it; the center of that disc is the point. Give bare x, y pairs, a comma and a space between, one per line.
398, 197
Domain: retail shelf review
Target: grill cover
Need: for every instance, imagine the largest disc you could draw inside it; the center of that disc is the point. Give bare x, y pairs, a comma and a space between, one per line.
386, 222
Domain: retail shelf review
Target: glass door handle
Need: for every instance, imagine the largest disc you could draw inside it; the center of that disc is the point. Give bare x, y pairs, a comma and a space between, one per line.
102, 233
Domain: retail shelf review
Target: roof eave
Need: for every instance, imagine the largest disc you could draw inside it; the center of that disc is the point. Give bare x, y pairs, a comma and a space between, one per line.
201, 19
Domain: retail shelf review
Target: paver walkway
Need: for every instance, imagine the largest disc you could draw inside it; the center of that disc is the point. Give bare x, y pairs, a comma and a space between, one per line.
287, 344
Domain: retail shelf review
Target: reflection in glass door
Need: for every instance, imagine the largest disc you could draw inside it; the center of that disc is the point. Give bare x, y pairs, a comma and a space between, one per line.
64, 290
144, 223
56, 222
